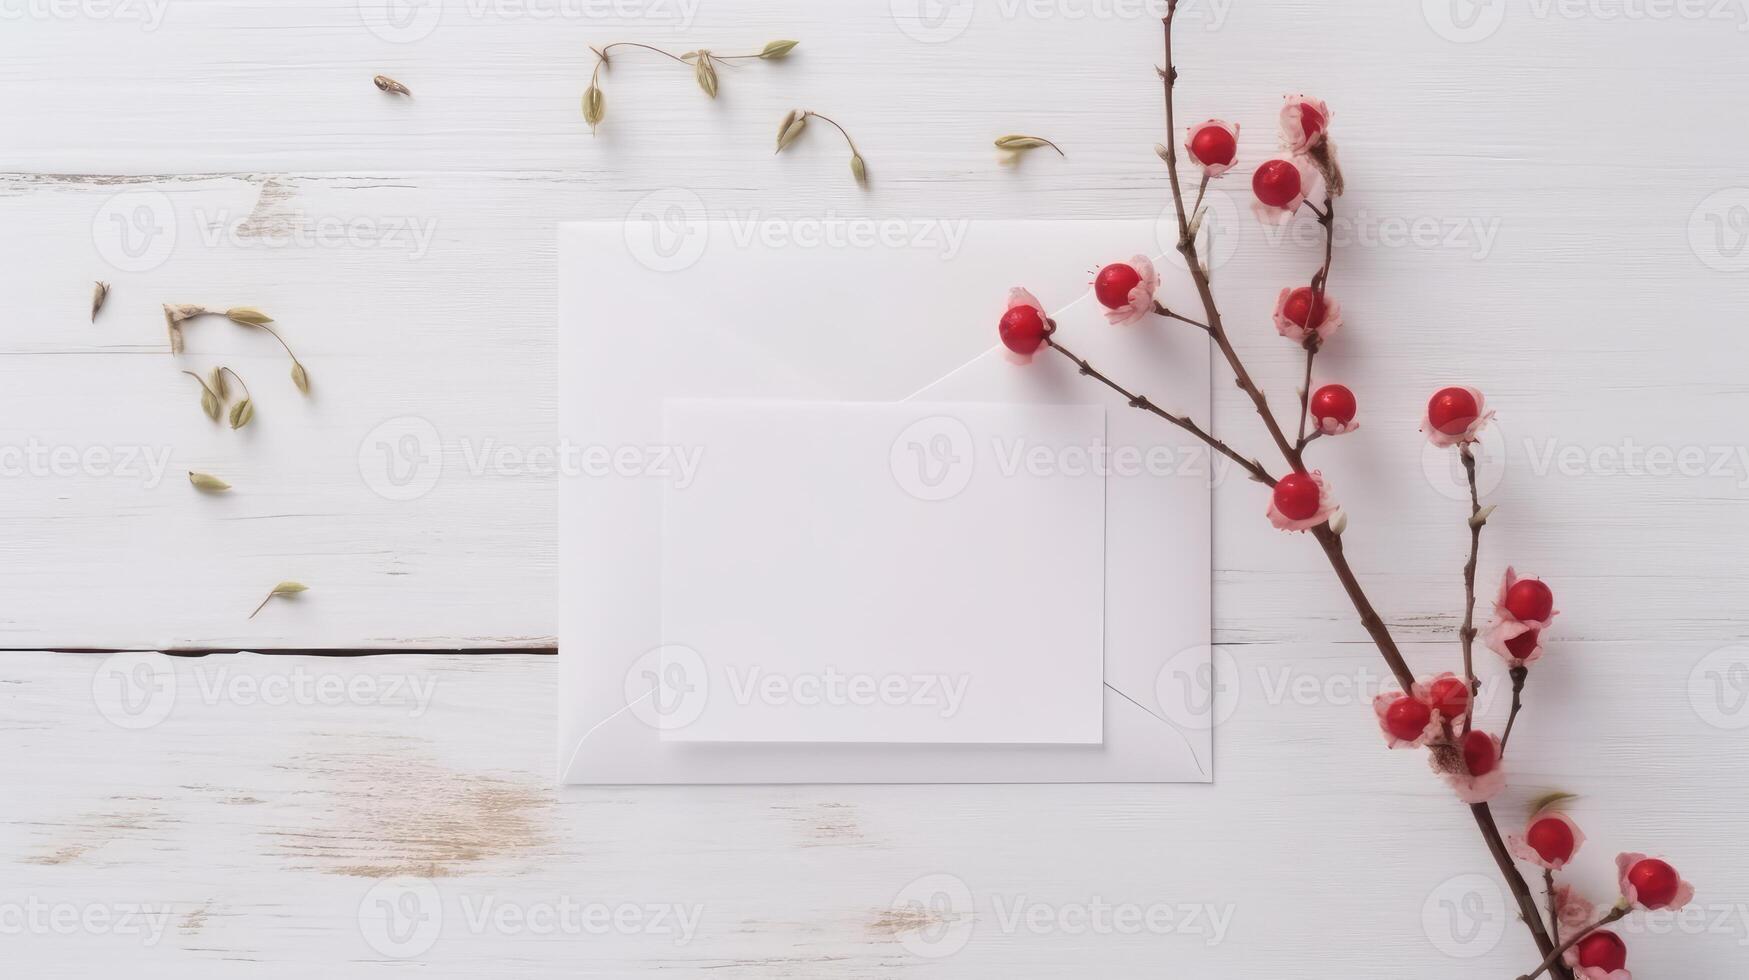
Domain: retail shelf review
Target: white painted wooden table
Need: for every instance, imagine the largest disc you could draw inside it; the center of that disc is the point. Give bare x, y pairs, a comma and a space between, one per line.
1550, 201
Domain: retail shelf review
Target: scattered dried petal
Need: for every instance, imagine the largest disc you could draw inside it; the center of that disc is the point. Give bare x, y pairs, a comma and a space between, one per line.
388, 84
218, 384
858, 169
300, 377
209, 404
207, 483
777, 49
242, 413
99, 293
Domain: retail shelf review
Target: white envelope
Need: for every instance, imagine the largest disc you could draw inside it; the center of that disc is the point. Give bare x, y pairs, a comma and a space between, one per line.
675, 307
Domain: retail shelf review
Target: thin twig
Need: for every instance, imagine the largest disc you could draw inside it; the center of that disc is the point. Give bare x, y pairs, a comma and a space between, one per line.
843, 131
1615, 915
1161, 310
1554, 905
1467, 633
1519, 673
1134, 400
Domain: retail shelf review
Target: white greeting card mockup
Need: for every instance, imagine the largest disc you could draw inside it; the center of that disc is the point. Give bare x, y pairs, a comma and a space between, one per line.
668, 309
898, 572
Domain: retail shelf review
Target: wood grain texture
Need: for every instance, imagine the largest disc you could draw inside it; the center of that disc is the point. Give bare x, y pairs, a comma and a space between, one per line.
1554, 210
260, 815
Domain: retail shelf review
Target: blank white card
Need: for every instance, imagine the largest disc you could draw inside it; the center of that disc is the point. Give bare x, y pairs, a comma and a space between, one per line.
911, 572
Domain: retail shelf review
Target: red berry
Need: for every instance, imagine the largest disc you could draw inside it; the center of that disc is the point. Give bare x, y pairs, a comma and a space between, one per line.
1552, 838
1522, 645
1479, 753
1603, 949
1452, 410
1305, 308
1333, 402
1113, 284
1023, 329
1407, 718
1655, 881
1213, 145
1451, 696
1298, 496
1276, 183
1311, 120
1530, 600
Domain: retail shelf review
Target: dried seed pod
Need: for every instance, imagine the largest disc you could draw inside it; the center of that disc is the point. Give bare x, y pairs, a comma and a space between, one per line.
206, 483
391, 86
777, 49
706, 72
99, 293
792, 127
594, 106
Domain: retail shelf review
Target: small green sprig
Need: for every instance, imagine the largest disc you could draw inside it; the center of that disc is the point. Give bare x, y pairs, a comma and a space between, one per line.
176, 314
282, 589
703, 63
795, 122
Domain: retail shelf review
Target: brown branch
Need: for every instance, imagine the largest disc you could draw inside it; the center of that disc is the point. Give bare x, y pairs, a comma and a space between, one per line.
1187, 248
1554, 905
1250, 466
1467, 633
1327, 539
1519, 673
1549, 962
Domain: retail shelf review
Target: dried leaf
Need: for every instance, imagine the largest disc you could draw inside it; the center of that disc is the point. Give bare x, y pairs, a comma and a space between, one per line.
858, 169
207, 483
792, 127
300, 377
1555, 800
388, 84
209, 404
248, 316
594, 106
706, 72
99, 293
778, 49
174, 314
242, 412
